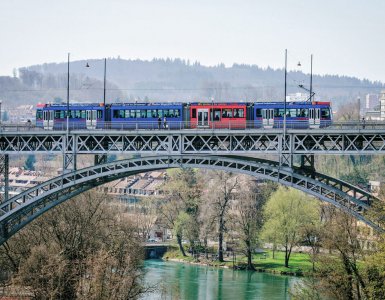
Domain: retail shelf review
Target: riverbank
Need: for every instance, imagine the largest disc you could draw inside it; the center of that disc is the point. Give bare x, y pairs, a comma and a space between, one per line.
299, 264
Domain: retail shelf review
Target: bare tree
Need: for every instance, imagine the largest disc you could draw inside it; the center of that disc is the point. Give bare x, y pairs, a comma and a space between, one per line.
51, 257
220, 191
247, 215
182, 198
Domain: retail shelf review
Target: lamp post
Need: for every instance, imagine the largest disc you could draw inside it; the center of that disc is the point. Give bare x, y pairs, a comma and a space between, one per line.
1, 115
311, 93
105, 80
311, 77
68, 92
284, 100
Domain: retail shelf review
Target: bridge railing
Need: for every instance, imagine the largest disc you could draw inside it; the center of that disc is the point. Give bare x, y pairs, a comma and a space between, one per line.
184, 125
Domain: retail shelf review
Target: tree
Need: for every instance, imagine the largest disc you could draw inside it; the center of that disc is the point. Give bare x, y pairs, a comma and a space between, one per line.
220, 191
81, 249
337, 273
29, 163
182, 195
247, 216
286, 212
145, 217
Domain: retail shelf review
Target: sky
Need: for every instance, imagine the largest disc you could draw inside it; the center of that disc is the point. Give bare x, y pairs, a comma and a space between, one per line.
346, 37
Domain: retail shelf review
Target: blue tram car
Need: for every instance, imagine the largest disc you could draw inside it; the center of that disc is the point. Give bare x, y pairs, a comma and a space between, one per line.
81, 116
298, 114
145, 115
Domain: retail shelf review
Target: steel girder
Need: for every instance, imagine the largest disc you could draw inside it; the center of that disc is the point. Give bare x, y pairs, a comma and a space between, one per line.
4, 171
23, 208
321, 141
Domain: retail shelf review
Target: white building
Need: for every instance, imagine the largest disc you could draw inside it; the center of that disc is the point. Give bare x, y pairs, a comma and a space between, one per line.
371, 101
297, 97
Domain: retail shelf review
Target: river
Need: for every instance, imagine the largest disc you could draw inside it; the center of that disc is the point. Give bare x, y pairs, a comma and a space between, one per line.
185, 281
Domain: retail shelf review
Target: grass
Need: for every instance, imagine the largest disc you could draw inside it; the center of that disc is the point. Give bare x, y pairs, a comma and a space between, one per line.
299, 263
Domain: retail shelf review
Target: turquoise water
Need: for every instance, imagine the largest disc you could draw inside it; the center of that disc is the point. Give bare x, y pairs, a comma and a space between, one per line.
185, 281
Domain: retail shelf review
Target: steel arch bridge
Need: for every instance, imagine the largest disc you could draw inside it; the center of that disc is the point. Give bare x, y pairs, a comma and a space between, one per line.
18, 211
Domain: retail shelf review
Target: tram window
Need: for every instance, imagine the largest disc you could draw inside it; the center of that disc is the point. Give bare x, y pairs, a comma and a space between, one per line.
132, 114
227, 113
39, 114
194, 113
176, 113
303, 112
238, 113
63, 114
258, 113
99, 114
57, 114
143, 113
149, 113
291, 112
77, 114
279, 112
138, 113
325, 113
154, 113
83, 114
115, 113
217, 114
166, 113
127, 113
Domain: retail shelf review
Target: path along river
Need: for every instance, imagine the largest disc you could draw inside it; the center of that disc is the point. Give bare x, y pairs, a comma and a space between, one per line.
185, 281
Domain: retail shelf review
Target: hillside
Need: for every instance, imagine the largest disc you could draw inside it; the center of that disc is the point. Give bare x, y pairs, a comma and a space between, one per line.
171, 80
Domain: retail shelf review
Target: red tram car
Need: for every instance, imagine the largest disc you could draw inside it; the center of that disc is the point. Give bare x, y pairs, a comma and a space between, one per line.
218, 115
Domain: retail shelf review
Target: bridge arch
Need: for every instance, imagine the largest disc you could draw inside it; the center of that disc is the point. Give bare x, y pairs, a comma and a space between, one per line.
21, 209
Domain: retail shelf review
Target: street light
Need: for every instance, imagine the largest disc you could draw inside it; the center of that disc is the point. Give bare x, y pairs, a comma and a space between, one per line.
104, 83
311, 93
1, 115
284, 100
68, 92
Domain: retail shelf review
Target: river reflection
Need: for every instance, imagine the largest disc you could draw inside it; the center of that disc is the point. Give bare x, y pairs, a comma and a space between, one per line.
184, 281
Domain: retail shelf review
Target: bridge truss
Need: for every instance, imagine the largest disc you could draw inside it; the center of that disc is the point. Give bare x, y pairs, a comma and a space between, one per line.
216, 149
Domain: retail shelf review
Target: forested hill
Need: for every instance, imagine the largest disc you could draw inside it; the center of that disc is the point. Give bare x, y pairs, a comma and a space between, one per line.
171, 80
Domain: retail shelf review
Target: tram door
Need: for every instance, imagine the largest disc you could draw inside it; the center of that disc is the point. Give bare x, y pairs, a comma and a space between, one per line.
314, 117
268, 118
48, 119
203, 117
91, 119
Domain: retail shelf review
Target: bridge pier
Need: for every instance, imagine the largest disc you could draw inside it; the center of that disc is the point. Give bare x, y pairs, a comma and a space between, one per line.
69, 154
69, 162
307, 162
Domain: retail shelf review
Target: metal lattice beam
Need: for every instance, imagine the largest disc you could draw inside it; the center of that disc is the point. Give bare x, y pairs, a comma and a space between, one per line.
23, 208
257, 141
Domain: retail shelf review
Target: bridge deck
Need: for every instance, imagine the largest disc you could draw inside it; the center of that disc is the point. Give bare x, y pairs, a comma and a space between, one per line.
219, 141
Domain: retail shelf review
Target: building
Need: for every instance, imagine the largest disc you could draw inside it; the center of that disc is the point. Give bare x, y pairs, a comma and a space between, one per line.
297, 97
21, 114
371, 101
21, 180
142, 185
382, 105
